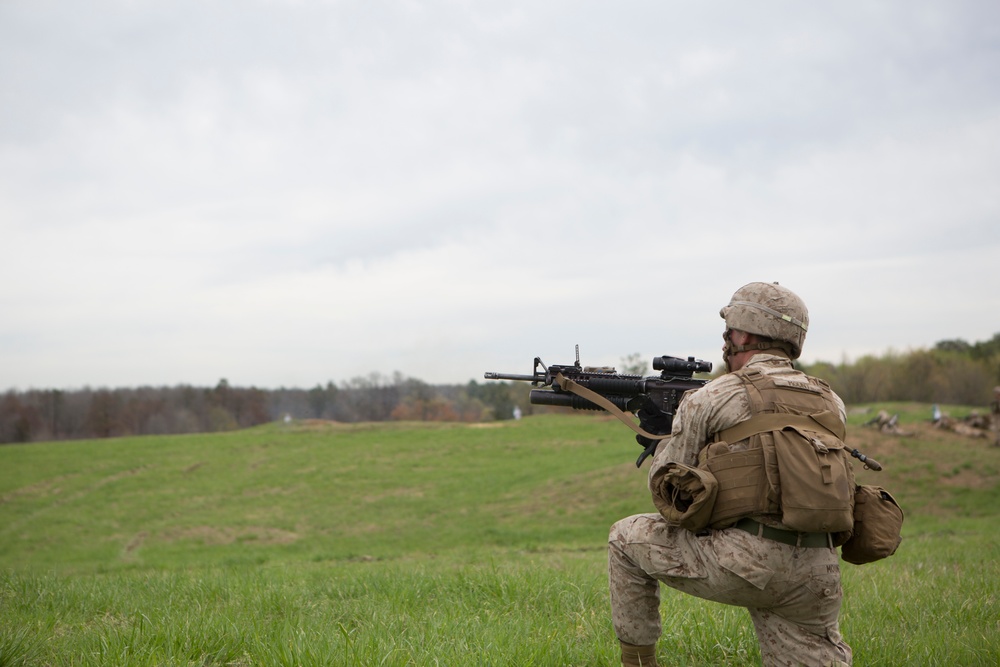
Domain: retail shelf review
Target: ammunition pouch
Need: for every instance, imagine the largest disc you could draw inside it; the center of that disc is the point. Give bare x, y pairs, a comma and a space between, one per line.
745, 487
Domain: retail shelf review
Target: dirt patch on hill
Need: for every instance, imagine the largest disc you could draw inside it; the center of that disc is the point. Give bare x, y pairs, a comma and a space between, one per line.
582, 493
222, 535
41, 489
967, 479
923, 450
926, 432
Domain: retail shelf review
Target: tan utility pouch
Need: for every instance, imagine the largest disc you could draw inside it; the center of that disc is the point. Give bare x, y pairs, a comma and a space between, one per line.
878, 521
814, 476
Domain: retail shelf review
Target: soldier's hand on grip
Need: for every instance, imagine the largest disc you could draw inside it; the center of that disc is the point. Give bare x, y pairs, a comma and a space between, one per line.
653, 421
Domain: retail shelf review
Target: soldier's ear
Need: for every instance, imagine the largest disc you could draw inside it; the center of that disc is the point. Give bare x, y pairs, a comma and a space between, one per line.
740, 337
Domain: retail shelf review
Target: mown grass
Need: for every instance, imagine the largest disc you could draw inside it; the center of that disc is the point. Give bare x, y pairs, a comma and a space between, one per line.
424, 544
314, 492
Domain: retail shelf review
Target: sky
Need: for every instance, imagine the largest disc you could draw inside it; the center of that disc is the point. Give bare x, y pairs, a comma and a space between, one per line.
285, 193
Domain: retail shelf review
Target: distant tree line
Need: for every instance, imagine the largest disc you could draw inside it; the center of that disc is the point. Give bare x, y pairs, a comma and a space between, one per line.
54, 414
952, 372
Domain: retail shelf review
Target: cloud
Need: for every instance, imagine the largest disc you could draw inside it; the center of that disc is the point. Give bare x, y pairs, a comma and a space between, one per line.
293, 192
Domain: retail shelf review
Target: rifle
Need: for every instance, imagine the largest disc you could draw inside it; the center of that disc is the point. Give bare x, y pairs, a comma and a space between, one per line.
602, 388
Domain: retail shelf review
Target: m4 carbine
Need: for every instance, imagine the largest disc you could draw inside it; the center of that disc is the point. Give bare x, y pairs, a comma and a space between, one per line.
602, 388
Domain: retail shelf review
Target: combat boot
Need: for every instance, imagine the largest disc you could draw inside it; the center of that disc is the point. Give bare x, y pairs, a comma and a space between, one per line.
638, 656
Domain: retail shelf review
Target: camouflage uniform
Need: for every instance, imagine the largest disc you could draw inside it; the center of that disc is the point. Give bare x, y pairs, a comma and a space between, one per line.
793, 593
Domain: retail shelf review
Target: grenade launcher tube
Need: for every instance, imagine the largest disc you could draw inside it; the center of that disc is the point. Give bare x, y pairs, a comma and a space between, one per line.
567, 400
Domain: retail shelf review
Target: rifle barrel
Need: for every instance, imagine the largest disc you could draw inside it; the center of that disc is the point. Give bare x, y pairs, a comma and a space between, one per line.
509, 376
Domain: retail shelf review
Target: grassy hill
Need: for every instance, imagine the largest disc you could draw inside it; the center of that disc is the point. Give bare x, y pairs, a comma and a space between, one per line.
425, 544
315, 491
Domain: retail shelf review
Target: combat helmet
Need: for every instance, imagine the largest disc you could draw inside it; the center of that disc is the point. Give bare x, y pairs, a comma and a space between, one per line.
771, 311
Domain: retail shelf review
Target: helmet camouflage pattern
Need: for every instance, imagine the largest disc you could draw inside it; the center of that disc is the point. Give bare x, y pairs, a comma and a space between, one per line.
771, 311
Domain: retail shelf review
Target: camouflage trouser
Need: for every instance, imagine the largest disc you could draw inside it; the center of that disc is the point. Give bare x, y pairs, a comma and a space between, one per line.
793, 594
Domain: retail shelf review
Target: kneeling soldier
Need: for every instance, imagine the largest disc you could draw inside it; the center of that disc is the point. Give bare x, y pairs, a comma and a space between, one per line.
762, 542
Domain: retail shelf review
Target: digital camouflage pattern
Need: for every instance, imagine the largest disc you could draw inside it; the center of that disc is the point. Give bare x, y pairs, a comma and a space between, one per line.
769, 310
793, 593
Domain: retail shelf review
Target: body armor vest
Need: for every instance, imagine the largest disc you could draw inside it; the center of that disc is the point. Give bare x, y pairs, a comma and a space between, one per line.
787, 460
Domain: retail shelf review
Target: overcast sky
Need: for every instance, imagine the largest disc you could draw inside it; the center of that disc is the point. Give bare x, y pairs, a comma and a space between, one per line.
286, 193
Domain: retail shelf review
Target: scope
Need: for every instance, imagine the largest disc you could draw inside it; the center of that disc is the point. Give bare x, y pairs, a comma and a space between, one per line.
678, 366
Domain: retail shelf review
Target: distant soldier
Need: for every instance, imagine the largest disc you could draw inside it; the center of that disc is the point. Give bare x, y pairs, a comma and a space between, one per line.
976, 420
995, 413
960, 427
886, 423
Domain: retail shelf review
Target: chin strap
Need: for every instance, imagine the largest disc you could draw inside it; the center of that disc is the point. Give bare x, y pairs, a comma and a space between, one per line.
733, 349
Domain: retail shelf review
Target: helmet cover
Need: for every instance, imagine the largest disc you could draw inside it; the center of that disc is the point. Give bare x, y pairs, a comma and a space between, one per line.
771, 311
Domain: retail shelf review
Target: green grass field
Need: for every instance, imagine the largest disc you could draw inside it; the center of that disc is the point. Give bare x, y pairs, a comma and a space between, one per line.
432, 544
